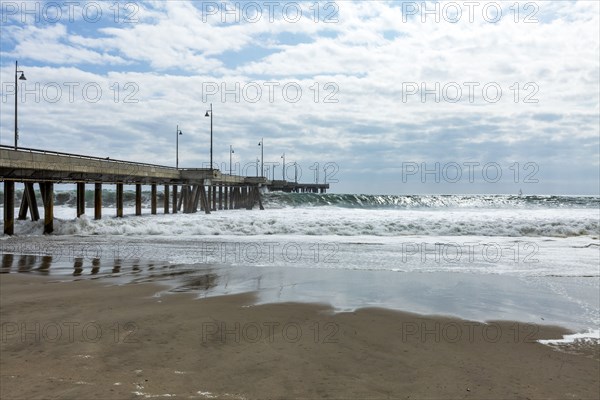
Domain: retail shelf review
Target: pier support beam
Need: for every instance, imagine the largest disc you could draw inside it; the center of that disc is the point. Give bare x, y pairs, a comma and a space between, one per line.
214, 198
98, 200
48, 207
204, 199
259, 199
119, 200
9, 207
191, 197
244, 202
182, 198
166, 199
226, 190
174, 199
220, 197
29, 202
239, 198
24, 207
253, 198
153, 199
138, 199
196, 195
80, 199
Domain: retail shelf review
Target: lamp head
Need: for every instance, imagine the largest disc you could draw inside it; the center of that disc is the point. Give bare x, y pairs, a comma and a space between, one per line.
22, 77
181, 133
206, 115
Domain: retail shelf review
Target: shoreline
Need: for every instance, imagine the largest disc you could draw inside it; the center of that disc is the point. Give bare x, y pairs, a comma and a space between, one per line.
87, 339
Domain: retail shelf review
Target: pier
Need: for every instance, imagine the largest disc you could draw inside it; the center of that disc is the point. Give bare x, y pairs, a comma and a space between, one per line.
186, 190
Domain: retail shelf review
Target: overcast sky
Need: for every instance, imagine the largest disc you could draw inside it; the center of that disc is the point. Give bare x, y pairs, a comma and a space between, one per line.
387, 97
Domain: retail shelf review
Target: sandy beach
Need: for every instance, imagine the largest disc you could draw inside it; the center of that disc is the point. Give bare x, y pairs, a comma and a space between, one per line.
88, 340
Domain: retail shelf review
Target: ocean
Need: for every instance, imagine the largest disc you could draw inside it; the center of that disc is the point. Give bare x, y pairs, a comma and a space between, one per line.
533, 259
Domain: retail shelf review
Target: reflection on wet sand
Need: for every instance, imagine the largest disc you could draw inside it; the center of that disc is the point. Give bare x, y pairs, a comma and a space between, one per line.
78, 266
183, 277
7, 260
116, 267
193, 283
95, 266
26, 263
45, 264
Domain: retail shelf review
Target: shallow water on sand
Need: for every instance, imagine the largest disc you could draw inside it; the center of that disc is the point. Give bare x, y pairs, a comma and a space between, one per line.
571, 302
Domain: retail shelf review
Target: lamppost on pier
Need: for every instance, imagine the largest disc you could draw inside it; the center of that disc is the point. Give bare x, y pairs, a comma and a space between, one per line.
230, 153
257, 161
295, 172
283, 172
22, 78
211, 133
177, 133
262, 155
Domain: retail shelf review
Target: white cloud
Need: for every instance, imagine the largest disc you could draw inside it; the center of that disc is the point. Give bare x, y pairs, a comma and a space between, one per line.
369, 54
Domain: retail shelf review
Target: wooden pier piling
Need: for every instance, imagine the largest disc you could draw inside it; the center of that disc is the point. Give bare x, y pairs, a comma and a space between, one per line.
244, 202
182, 197
80, 199
204, 199
196, 195
153, 199
119, 200
138, 199
48, 207
209, 199
9, 207
174, 199
215, 204
220, 197
98, 200
166, 199
29, 203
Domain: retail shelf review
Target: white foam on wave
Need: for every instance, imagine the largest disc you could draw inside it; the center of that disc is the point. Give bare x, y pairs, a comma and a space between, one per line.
591, 337
334, 221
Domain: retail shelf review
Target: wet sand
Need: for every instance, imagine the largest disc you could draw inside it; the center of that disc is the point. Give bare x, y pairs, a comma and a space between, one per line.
87, 340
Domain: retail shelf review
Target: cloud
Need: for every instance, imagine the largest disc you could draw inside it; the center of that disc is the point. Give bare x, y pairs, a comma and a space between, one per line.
376, 88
